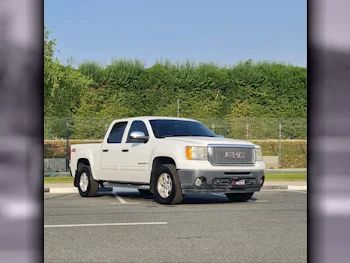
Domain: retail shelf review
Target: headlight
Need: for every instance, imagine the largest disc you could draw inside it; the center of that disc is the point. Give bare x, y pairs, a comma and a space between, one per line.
258, 154
196, 153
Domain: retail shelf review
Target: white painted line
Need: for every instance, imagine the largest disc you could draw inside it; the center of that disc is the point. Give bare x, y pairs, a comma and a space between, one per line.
132, 203
121, 200
63, 190
334, 206
107, 224
297, 187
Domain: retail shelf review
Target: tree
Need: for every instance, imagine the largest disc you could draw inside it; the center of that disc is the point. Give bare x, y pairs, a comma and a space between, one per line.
224, 96
52, 71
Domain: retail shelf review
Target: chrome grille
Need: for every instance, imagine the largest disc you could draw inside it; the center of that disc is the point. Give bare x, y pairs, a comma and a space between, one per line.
231, 155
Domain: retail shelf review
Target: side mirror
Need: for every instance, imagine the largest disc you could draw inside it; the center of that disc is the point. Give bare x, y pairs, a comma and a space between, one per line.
220, 136
139, 136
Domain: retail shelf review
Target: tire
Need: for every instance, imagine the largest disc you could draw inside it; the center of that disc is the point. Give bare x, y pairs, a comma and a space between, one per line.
240, 197
174, 196
145, 192
87, 186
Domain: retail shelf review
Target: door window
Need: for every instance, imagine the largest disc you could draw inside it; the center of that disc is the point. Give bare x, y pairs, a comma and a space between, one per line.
117, 132
137, 126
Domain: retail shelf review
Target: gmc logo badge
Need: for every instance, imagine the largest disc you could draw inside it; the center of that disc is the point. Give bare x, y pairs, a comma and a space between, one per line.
235, 155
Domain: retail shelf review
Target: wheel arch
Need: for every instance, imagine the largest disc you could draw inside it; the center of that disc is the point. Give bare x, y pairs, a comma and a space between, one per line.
157, 162
84, 161
80, 162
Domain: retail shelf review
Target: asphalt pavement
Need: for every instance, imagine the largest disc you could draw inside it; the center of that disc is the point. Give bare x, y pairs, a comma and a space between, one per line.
65, 188
125, 227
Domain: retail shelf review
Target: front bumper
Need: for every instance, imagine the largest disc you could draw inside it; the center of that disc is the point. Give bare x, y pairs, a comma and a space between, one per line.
214, 181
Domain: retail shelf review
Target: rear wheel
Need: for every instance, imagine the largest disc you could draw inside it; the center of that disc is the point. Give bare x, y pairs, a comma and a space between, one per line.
240, 197
87, 186
167, 188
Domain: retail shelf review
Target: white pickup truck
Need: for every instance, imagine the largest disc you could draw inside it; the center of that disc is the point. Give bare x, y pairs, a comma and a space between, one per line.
168, 157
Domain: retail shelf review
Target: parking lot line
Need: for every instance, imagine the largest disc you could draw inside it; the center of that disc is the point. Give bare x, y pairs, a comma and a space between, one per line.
121, 200
107, 224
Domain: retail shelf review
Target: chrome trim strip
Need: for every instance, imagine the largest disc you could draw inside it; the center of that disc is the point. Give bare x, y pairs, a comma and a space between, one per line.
232, 145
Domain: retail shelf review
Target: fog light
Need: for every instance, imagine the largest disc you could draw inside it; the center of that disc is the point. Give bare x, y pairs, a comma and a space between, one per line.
198, 182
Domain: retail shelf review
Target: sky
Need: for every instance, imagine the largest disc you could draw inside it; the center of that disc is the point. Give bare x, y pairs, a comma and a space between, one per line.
221, 31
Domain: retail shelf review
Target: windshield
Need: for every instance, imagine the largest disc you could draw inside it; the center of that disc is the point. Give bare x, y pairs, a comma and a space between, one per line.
171, 128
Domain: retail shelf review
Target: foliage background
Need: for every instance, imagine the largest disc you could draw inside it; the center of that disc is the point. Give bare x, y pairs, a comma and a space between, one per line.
81, 100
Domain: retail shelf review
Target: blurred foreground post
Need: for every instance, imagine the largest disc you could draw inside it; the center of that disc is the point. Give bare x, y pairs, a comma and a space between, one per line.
21, 130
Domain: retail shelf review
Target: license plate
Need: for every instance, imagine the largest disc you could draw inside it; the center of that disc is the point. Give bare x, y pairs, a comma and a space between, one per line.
239, 183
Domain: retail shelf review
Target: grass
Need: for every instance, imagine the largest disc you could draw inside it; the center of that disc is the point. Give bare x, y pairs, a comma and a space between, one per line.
286, 177
269, 177
58, 179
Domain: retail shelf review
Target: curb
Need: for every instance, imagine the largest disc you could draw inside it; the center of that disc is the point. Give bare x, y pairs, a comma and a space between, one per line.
62, 190
74, 190
273, 187
297, 187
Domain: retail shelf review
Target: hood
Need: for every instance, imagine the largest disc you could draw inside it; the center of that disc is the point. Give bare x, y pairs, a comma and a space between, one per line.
204, 141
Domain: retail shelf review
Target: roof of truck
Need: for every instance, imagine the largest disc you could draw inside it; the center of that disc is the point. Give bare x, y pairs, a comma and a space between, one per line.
148, 118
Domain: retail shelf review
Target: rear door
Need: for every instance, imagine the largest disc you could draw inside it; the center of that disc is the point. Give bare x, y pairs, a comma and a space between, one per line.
136, 155
111, 152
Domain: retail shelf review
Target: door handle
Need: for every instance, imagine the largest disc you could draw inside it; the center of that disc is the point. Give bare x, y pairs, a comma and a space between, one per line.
105, 150
125, 150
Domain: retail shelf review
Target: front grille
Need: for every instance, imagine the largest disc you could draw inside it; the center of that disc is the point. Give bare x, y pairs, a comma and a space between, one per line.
231, 155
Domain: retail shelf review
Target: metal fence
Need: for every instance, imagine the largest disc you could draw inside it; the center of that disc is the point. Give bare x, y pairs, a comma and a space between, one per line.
55, 165
238, 128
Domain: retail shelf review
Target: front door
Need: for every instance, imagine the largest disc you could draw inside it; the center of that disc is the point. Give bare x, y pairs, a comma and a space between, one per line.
136, 156
111, 153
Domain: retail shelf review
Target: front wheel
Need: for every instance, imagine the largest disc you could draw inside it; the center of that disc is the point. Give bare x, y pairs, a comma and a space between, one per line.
240, 197
167, 188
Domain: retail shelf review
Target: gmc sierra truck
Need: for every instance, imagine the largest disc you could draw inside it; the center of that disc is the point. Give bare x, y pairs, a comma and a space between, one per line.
168, 157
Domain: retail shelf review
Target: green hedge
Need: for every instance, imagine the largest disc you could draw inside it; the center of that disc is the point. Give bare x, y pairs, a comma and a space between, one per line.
262, 93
